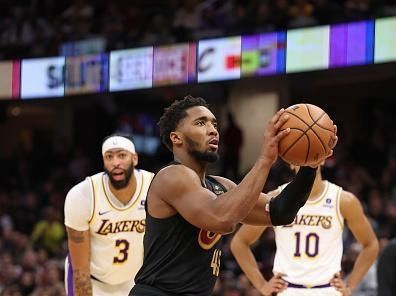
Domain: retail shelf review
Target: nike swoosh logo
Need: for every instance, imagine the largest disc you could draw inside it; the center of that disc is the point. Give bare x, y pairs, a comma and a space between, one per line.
105, 212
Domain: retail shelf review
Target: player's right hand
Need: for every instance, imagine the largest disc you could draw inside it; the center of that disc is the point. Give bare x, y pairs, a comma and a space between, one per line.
273, 135
332, 144
275, 285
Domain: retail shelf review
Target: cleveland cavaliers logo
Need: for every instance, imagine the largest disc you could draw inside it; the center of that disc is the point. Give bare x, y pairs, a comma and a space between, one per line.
208, 239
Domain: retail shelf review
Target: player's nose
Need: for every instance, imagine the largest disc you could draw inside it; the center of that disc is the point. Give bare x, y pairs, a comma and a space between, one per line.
212, 130
116, 162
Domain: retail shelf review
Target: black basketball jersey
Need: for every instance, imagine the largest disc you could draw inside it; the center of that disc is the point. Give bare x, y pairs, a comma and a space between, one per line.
179, 258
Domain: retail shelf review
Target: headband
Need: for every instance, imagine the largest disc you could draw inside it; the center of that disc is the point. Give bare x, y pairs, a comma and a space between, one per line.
118, 142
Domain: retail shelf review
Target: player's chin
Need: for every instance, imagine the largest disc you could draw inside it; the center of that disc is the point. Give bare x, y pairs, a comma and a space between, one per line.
213, 150
212, 156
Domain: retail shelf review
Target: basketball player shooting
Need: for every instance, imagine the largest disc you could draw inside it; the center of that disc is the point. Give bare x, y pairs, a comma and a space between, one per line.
188, 211
105, 222
309, 250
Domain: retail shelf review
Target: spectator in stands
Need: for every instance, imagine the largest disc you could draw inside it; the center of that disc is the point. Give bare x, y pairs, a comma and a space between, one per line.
301, 14
357, 9
280, 13
186, 20
233, 140
390, 213
26, 282
49, 232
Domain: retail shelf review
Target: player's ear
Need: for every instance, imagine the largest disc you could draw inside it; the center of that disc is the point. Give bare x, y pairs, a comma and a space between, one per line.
135, 159
176, 138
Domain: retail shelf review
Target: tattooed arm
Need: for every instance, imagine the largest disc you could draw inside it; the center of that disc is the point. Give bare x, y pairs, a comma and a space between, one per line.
80, 255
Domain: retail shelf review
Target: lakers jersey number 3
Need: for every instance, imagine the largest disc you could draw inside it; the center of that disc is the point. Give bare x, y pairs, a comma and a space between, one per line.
117, 232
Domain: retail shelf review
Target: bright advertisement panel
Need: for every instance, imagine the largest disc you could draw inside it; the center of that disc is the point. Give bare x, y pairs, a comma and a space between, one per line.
86, 74
307, 49
10, 79
385, 40
174, 64
219, 59
42, 78
263, 54
131, 69
351, 44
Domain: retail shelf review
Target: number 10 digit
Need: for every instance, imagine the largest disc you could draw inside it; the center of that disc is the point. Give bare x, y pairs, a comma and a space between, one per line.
310, 238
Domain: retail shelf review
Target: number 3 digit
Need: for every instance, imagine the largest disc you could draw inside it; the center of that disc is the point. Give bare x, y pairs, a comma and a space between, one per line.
123, 246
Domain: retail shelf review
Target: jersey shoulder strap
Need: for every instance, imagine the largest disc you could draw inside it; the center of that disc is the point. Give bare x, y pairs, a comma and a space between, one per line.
215, 186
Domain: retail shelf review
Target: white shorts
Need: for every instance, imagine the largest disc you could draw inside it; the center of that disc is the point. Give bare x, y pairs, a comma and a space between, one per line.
98, 288
330, 291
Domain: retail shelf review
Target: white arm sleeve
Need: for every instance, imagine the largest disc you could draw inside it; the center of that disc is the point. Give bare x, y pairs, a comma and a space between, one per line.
78, 206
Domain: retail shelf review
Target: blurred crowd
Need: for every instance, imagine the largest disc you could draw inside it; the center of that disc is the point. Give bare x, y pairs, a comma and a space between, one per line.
37, 177
32, 28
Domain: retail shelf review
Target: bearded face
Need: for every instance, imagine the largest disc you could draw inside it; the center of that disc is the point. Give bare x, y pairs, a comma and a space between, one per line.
201, 154
120, 178
119, 166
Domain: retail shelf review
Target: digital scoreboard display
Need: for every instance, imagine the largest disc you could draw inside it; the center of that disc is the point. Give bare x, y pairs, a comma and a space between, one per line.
41, 78
219, 59
131, 69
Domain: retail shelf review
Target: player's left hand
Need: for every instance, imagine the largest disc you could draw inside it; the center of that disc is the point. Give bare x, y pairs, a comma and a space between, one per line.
340, 285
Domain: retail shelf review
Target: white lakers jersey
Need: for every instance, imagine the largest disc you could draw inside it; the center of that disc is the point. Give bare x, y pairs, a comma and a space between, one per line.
117, 232
309, 251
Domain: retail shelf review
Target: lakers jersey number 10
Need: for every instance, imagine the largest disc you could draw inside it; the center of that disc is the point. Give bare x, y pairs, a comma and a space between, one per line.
309, 250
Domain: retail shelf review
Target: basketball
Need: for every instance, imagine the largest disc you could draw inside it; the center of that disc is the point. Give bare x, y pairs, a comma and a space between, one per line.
310, 136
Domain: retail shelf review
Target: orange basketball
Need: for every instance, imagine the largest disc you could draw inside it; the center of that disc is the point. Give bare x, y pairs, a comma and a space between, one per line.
310, 135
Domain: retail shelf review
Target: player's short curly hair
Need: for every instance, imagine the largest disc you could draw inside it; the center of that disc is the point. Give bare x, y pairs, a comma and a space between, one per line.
174, 114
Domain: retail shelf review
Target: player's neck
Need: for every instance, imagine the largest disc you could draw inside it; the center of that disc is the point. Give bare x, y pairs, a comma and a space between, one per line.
125, 194
317, 188
188, 161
